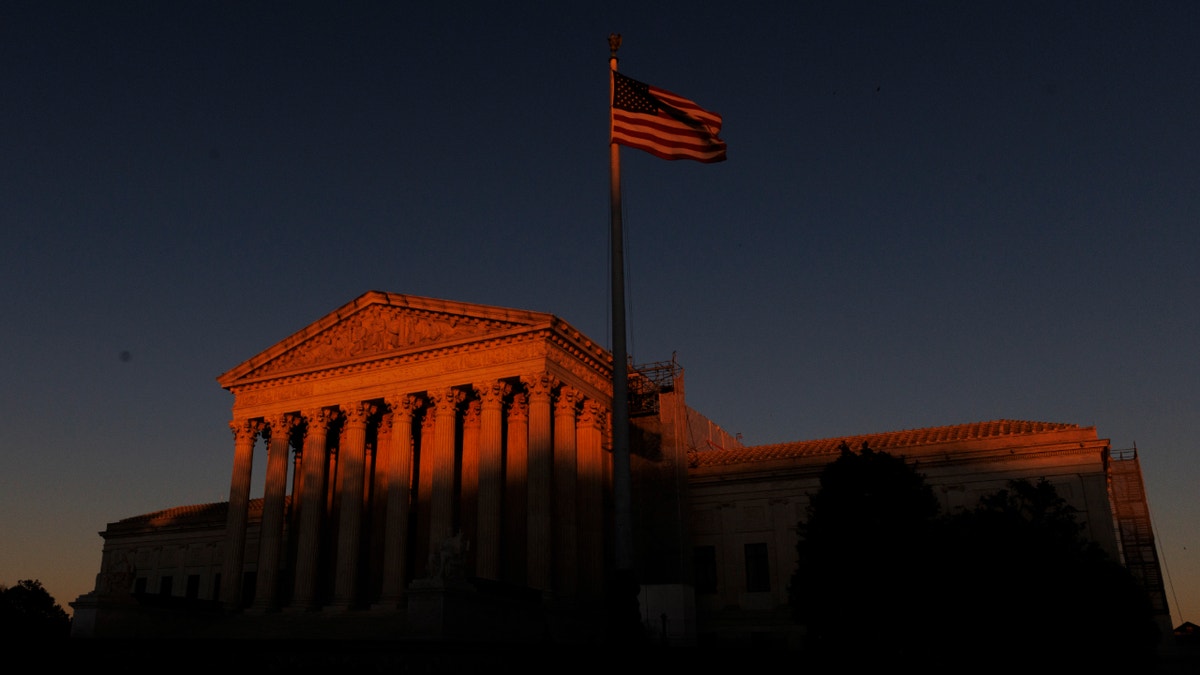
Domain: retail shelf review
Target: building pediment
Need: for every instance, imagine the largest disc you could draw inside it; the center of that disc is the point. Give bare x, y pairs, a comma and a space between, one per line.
377, 325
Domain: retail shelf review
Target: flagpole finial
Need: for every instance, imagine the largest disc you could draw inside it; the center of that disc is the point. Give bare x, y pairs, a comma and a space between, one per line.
614, 43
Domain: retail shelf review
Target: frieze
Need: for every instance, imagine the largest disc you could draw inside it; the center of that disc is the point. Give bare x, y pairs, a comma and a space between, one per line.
472, 359
275, 394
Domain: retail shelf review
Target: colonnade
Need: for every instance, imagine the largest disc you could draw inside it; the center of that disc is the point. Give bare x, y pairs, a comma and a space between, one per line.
516, 467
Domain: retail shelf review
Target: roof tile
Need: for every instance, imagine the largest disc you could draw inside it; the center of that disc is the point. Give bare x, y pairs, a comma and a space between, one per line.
890, 440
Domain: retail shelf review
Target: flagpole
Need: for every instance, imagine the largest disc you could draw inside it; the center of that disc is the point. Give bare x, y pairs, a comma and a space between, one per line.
625, 591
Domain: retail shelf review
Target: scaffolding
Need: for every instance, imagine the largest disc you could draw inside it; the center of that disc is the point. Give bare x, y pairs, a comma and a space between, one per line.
647, 381
1131, 514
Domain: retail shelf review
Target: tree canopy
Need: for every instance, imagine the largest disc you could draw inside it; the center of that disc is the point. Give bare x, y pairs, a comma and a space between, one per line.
882, 569
28, 611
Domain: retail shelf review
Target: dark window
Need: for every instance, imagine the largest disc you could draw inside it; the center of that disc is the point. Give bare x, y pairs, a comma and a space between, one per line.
706, 569
193, 587
139, 586
164, 586
216, 594
758, 570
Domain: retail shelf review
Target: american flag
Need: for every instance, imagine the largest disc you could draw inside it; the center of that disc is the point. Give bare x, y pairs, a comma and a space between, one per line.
663, 124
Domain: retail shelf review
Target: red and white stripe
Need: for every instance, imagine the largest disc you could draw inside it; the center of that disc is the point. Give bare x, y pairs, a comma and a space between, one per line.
680, 130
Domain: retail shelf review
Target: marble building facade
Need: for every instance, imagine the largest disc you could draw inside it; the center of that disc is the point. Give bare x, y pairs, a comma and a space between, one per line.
427, 457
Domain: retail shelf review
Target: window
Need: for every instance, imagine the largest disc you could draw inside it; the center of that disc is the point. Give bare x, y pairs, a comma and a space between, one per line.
758, 571
193, 587
706, 568
164, 586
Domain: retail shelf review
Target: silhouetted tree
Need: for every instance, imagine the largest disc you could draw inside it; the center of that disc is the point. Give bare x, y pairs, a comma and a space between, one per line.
883, 574
862, 552
28, 611
1021, 556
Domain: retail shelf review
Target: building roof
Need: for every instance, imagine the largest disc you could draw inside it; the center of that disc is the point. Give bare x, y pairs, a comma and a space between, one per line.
887, 441
191, 515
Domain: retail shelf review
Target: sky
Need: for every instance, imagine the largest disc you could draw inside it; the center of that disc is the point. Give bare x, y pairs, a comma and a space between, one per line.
932, 213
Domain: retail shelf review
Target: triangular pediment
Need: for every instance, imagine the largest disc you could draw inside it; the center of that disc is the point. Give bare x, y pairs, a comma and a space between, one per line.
381, 324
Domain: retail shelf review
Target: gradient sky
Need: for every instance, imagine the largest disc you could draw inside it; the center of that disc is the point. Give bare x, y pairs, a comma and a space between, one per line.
932, 213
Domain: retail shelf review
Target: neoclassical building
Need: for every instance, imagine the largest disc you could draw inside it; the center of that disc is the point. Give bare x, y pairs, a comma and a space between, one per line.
444, 468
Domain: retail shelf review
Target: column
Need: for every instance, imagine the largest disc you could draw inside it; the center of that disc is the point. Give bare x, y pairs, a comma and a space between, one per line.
245, 432
540, 483
368, 481
424, 485
566, 558
350, 464
491, 472
376, 505
399, 480
444, 405
468, 481
515, 483
590, 499
312, 507
293, 510
270, 536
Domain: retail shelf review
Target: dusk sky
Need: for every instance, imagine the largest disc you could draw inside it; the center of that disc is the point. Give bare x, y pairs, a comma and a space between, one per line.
932, 213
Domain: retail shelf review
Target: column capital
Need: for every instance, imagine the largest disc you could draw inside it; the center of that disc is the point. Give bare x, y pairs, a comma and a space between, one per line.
402, 403
518, 408
492, 393
319, 417
446, 398
592, 413
279, 426
245, 429
399, 405
539, 385
357, 413
281, 421
472, 415
568, 399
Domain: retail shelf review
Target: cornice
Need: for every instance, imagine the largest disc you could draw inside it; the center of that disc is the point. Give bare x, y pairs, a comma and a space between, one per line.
181, 518
810, 466
998, 435
581, 353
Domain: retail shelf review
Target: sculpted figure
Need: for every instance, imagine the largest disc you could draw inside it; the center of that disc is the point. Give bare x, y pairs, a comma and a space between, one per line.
448, 562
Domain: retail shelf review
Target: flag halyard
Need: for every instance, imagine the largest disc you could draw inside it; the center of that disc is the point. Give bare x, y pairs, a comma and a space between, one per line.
663, 124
